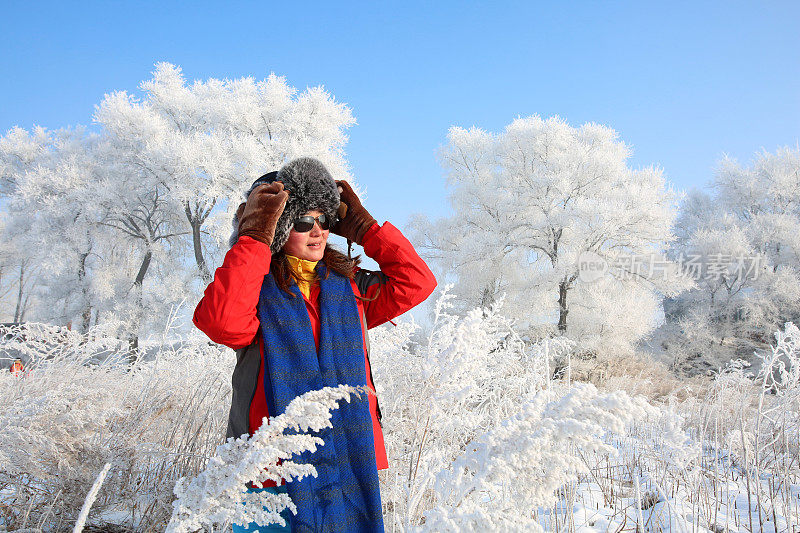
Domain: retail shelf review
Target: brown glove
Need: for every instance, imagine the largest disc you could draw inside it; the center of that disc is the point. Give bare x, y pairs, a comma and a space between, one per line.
354, 220
259, 216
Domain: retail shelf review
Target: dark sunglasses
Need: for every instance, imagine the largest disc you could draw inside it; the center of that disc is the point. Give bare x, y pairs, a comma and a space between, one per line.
306, 222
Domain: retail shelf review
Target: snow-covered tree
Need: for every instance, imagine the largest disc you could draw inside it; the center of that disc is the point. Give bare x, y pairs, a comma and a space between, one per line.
208, 140
742, 248
135, 215
51, 214
528, 202
765, 199
20, 151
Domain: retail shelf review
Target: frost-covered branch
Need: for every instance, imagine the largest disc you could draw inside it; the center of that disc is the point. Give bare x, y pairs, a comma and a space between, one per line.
539, 449
217, 494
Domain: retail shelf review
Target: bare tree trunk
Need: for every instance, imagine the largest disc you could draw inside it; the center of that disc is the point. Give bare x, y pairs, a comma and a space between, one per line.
487, 299
198, 253
196, 220
143, 268
86, 319
21, 280
86, 314
24, 307
133, 335
133, 339
562, 307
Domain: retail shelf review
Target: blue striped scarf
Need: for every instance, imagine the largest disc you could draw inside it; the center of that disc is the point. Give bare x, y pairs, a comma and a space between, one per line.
345, 495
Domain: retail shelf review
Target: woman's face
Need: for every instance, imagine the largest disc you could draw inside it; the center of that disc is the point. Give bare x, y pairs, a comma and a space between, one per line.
309, 245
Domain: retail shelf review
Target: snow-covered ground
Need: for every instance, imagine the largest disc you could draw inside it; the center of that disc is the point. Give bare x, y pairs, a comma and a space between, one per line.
586, 507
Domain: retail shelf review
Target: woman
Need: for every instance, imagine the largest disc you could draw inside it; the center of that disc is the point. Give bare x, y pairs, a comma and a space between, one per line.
297, 313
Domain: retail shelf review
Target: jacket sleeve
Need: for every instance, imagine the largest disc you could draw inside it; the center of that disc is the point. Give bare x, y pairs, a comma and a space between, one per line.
404, 280
227, 311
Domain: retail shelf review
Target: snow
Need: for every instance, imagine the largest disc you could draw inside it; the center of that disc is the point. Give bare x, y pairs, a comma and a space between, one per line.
478, 438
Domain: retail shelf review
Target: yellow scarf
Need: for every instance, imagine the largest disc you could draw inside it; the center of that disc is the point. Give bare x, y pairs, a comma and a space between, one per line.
304, 273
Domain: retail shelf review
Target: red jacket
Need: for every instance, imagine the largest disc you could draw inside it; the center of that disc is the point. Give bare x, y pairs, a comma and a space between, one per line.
227, 314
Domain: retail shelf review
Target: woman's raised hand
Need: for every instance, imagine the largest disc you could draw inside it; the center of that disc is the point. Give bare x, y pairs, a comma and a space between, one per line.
259, 215
354, 219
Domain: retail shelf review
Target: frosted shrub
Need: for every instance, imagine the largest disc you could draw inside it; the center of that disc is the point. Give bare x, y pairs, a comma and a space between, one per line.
774, 454
217, 494
517, 466
748, 412
78, 406
35, 343
469, 375
437, 396
481, 437
748, 423
778, 381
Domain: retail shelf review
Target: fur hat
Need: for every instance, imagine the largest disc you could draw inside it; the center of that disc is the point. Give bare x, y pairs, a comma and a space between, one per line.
310, 187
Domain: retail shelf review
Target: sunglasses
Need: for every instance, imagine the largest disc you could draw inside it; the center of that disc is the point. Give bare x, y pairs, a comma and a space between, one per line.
306, 222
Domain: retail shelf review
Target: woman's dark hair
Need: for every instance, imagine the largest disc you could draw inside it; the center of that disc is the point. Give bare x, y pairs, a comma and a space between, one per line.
333, 259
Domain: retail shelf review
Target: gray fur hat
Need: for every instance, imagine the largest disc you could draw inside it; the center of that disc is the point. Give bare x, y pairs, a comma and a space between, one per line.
310, 186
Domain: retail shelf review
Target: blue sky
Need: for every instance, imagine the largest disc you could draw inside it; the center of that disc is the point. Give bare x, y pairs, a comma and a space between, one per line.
682, 82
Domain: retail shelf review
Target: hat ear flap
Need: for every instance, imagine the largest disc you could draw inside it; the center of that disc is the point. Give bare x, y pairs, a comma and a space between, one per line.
284, 226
